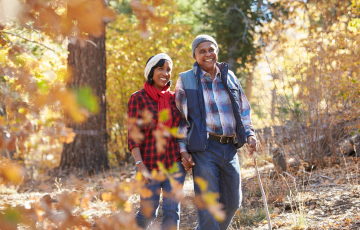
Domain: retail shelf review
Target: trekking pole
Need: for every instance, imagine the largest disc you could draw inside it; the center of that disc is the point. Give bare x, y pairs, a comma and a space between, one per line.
263, 194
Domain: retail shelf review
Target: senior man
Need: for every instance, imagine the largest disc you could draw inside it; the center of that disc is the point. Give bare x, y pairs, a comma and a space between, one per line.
216, 122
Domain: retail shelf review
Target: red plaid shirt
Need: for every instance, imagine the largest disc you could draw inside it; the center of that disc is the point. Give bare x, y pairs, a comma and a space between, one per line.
138, 102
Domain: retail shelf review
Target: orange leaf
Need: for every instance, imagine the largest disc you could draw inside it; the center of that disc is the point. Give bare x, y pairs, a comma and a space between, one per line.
160, 141
106, 196
146, 193
12, 143
146, 116
12, 173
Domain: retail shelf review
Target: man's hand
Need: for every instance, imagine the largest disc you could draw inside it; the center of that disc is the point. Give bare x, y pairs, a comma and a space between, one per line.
144, 172
252, 144
187, 161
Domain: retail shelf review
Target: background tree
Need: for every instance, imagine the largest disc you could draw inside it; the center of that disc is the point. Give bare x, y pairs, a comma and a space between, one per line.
236, 25
311, 60
33, 74
87, 63
88, 151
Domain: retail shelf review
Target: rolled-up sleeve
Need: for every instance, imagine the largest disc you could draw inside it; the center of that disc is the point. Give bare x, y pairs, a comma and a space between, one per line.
181, 104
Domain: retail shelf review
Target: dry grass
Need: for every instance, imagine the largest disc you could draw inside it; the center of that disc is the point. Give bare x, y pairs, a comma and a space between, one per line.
248, 217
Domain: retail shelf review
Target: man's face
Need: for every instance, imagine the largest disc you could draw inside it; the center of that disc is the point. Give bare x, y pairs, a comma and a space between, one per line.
206, 56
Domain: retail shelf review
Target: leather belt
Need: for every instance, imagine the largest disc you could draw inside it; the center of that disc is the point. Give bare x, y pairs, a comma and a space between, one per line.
221, 139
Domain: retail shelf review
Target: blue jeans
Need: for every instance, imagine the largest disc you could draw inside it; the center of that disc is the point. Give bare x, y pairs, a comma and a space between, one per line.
219, 166
171, 208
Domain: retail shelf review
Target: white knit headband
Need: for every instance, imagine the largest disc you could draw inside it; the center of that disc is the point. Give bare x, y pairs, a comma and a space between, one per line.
154, 60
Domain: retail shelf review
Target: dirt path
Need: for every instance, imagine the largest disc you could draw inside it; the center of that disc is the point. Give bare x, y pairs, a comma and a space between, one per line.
327, 198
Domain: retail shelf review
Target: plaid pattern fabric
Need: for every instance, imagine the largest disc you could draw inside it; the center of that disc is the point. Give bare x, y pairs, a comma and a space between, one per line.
138, 102
219, 112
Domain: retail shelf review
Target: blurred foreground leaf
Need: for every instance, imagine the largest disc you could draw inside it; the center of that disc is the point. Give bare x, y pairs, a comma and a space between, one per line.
87, 99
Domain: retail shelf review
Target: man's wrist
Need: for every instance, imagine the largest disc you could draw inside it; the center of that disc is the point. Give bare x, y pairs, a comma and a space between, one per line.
138, 162
182, 146
184, 154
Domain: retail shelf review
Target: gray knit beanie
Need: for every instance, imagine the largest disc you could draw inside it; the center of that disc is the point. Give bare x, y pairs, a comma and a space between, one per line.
202, 38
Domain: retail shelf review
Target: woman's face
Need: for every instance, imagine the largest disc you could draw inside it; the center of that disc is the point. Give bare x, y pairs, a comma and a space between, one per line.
162, 75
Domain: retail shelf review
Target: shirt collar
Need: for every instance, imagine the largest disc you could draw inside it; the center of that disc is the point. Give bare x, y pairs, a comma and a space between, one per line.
203, 72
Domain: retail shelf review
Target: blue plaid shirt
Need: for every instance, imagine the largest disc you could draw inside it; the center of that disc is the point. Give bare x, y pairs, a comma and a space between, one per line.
219, 113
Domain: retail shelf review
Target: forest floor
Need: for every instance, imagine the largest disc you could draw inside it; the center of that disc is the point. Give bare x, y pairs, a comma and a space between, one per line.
326, 198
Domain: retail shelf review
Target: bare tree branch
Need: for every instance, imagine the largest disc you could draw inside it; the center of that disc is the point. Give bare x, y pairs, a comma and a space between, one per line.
246, 19
12, 34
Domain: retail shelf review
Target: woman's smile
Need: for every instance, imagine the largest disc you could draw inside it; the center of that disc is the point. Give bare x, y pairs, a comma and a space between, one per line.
162, 75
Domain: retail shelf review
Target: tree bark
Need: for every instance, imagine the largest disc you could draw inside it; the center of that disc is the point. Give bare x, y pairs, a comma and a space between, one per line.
279, 160
273, 97
249, 84
231, 60
88, 151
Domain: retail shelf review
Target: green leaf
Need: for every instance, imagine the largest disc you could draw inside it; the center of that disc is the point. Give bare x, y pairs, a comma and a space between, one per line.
161, 167
43, 87
12, 216
174, 169
87, 99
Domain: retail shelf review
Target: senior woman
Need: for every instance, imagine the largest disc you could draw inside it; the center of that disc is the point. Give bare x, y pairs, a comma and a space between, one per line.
155, 97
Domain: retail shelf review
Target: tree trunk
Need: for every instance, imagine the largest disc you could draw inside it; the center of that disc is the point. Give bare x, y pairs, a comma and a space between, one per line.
88, 151
231, 60
249, 84
279, 160
273, 97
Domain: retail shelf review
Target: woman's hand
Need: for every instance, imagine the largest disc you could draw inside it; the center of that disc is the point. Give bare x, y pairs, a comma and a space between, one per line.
141, 166
144, 172
187, 161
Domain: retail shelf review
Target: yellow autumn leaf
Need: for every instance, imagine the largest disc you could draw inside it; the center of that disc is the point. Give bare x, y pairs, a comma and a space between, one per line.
106, 196
69, 102
128, 207
138, 176
158, 175
2, 120
164, 115
210, 198
174, 131
201, 183
11, 173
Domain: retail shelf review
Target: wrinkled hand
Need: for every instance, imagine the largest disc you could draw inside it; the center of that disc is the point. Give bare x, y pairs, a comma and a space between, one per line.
144, 172
252, 144
187, 161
